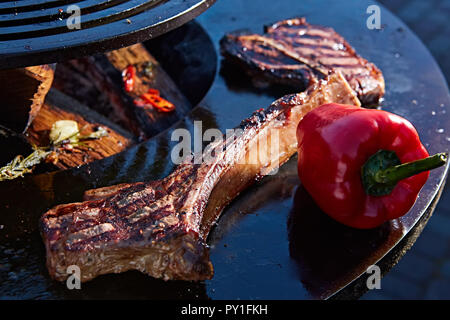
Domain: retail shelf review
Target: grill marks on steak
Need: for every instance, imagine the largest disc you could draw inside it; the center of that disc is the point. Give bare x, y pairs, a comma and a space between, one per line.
160, 227
295, 53
136, 227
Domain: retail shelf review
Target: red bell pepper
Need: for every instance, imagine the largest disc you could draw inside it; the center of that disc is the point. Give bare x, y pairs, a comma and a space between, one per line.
362, 166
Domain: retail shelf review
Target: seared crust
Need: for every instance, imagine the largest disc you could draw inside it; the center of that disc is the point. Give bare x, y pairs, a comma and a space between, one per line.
139, 228
295, 53
160, 227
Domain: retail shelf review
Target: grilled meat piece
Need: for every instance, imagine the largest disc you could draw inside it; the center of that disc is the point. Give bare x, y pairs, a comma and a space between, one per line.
295, 53
160, 227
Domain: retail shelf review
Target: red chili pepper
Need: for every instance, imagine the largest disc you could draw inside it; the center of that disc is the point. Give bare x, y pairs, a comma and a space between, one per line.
128, 76
159, 103
362, 167
153, 98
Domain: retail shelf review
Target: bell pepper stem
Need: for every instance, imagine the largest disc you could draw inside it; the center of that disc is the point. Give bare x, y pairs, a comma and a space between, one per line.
383, 170
394, 174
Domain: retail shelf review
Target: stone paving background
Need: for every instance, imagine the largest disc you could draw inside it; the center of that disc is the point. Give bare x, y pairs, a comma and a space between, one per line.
424, 272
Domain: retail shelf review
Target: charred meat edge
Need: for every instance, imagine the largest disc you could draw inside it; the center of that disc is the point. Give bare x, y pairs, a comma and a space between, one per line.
160, 227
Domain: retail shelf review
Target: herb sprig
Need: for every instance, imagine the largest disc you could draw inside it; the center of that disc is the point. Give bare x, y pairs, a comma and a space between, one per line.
64, 133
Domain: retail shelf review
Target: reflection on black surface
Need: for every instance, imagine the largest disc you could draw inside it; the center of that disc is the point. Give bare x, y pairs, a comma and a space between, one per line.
327, 253
135, 285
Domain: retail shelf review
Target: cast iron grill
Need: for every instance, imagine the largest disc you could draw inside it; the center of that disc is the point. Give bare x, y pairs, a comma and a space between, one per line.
36, 31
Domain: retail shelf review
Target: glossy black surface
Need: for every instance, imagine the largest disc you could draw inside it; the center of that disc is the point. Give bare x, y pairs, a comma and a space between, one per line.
271, 242
34, 33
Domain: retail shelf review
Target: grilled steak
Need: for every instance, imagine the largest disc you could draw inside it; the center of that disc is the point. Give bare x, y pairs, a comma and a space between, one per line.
160, 227
295, 53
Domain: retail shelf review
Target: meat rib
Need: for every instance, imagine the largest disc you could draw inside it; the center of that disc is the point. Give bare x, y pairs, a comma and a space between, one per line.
295, 53
160, 227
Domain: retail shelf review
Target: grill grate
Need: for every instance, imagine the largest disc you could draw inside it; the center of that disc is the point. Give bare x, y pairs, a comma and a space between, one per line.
43, 31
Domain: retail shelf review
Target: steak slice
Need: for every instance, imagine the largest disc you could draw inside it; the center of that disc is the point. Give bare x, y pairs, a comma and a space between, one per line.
160, 227
296, 53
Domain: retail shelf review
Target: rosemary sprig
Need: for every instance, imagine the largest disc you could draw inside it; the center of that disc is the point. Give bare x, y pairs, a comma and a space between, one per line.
20, 165
64, 133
